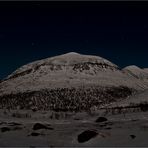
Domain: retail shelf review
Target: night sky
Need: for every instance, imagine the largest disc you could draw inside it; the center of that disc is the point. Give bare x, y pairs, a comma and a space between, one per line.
117, 31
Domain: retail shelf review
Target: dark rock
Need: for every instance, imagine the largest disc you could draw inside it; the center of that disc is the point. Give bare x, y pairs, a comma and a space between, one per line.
38, 126
133, 136
5, 129
101, 119
86, 135
34, 134
108, 128
76, 119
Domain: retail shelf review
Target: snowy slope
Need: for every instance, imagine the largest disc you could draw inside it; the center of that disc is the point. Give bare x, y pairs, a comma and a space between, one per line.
68, 70
136, 72
146, 70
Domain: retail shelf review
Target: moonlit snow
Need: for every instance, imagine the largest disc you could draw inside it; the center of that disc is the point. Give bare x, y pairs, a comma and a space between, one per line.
74, 100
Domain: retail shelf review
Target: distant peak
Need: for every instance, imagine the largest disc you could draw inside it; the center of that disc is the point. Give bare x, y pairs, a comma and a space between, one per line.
132, 67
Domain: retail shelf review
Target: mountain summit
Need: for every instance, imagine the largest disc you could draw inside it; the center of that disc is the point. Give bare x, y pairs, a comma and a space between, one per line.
68, 59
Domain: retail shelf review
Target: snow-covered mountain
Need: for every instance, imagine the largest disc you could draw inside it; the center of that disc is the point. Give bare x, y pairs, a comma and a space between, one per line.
70, 81
69, 70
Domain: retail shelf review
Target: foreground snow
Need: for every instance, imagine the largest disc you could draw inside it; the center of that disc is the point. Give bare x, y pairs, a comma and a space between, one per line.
64, 132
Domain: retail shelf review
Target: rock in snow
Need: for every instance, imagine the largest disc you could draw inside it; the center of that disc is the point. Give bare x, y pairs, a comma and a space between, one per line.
86, 135
101, 119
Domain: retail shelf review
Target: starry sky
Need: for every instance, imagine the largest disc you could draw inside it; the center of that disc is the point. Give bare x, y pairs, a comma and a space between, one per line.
117, 31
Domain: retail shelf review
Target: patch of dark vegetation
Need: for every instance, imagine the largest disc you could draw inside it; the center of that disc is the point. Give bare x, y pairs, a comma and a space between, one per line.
38, 126
132, 107
65, 99
101, 119
119, 92
133, 136
86, 135
5, 129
